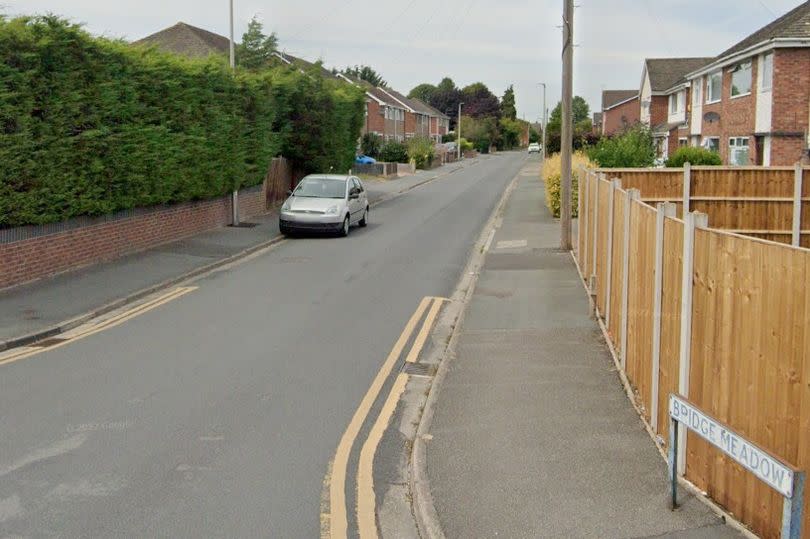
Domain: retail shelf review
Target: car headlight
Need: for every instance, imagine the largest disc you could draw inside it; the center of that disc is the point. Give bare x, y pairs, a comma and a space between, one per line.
286, 205
332, 210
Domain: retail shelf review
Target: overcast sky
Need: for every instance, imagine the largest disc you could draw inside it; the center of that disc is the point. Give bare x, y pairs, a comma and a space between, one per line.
497, 42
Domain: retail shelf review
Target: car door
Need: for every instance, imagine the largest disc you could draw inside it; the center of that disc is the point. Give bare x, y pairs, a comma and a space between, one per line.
355, 205
363, 200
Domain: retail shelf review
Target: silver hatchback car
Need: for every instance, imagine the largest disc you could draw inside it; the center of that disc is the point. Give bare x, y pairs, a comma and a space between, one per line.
327, 203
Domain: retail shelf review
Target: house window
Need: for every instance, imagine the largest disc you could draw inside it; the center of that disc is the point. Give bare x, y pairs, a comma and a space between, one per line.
712, 143
741, 79
738, 151
697, 92
714, 87
767, 72
673, 103
683, 141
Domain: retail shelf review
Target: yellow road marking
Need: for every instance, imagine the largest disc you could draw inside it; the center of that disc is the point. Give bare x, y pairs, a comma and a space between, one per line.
413, 355
337, 495
366, 500
101, 326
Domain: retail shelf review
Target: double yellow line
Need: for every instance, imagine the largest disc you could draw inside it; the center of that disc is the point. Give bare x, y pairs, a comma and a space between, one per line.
366, 520
91, 329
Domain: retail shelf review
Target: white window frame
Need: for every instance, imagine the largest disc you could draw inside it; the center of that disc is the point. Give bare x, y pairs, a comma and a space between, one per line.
673, 103
709, 78
766, 79
732, 150
735, 69
697, 92
682, 142
705, 143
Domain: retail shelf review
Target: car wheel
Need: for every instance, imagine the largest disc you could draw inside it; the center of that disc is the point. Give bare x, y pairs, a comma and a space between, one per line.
344, 230
284, 230
364, 220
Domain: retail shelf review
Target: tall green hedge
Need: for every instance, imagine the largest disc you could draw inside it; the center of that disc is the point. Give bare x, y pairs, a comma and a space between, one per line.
91, 126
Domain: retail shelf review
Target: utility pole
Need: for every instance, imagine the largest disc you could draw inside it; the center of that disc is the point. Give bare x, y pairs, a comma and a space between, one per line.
458, 131
543, 120
235, 194
566, 139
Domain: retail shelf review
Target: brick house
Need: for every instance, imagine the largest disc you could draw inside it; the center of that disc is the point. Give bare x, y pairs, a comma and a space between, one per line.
439, 122
663, 98
752, 102
384, 116
417, 115
620, 109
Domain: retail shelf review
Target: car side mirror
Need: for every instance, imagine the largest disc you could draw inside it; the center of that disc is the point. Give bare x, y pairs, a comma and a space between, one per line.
354, 194
289, 192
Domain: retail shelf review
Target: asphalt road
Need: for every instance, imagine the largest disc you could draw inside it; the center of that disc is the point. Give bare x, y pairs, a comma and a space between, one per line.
216, 414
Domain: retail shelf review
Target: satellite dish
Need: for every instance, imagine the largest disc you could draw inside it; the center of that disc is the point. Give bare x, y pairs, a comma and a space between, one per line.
711, 117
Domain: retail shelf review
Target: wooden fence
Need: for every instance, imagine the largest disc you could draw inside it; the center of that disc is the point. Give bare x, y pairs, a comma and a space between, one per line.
718, 317
771, 203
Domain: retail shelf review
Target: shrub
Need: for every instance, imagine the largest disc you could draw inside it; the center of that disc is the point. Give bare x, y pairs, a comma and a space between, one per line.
91, 126
466, 145
551, 175
421, 151
632, 149
371, 144
394, 152
694, 156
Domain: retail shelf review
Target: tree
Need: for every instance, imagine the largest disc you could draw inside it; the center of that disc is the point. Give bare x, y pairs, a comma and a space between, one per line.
366, 73
508, 109
424, 92
582, 125
446, 99
479, 102
256, 48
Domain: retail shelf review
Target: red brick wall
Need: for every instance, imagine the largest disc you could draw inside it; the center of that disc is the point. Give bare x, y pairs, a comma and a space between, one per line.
375, 121
410, 123
737, 115
791, 99
41, 256
617, 118
659, 110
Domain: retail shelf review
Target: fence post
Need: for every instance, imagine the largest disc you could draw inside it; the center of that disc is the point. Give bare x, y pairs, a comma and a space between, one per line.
614, 184
797, 206
687, 187
594, 284
691, 221
664, 209
585, 226
632, 194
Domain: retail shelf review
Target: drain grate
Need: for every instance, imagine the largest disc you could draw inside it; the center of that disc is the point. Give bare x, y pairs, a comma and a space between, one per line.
48, 342
419, 369
245, 225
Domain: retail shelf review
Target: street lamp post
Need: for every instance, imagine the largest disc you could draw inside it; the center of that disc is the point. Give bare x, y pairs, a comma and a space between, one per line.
458, 131
235, 194
544, 119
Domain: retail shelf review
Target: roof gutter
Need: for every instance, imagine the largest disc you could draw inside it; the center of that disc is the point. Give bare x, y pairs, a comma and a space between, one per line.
407, 107
762, 46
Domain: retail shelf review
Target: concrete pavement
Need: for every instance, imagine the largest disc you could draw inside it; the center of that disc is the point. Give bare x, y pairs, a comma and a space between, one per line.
216, 414
533, 435
47, 306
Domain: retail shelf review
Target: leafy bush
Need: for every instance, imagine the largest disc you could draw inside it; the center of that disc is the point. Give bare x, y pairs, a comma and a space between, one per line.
552, 171
632, 149
421, 151
466, 145
394, 152
694, 156
92, 126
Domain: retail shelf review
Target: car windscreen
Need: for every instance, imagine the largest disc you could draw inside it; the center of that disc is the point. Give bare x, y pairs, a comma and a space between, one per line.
321, 188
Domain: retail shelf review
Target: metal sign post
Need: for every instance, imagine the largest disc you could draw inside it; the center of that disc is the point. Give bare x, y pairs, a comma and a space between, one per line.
780, 476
